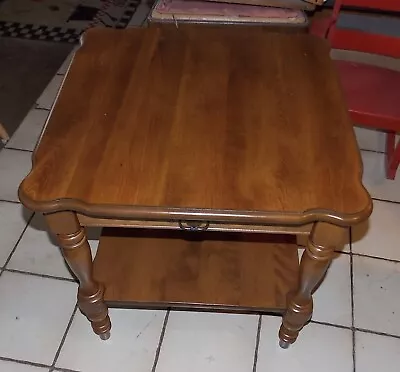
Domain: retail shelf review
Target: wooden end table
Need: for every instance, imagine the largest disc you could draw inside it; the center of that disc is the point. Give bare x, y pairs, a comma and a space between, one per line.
201, 140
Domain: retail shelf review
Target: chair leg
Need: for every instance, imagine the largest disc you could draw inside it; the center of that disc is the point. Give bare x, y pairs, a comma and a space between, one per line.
392, 160
320, 27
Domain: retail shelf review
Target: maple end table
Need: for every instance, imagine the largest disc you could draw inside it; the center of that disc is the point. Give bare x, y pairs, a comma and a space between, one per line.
202, 152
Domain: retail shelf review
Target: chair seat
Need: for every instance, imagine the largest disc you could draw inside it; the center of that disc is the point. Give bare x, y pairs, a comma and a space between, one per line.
372, 94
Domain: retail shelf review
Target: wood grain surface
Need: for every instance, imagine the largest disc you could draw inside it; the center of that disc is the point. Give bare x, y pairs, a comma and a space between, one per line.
200, 123
147, 268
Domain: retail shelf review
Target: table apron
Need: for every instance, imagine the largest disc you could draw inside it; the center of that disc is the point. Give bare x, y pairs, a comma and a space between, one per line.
209, 226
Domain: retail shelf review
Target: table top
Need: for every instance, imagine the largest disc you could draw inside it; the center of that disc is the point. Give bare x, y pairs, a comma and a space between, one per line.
200, 123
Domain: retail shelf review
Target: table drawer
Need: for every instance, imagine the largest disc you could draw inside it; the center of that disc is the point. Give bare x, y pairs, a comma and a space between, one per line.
194, 225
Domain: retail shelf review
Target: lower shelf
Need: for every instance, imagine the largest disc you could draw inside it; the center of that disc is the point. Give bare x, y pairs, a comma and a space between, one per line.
196, 270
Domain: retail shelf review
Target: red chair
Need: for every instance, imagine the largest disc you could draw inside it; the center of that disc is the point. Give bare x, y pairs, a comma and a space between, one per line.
372, 93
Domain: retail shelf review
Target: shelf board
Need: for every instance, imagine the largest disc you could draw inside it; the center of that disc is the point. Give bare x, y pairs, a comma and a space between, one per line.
196, 270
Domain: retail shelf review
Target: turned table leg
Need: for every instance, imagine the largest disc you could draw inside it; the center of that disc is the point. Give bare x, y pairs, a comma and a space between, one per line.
323, 241
75, 248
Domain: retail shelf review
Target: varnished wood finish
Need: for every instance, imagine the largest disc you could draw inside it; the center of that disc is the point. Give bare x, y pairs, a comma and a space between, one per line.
224, 128
315, 260
74, 245
238, 272
200, 123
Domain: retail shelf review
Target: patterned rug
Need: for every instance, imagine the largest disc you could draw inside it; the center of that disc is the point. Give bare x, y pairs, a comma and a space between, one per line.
62, 20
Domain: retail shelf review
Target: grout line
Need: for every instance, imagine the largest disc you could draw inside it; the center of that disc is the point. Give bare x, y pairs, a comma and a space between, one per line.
41, 275
43, 108
40, 108
369, 256
331, 325
386, 200
377, 333
257, 343
353, 341
375, 151
158, 350
63, 370
16, 244
9, 201
17, 149
350, 236
25, 362
14, 149
63, 338
364, 330
353, 333
375, 257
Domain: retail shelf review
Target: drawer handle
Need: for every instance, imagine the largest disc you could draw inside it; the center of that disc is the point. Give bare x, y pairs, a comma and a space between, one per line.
194, 225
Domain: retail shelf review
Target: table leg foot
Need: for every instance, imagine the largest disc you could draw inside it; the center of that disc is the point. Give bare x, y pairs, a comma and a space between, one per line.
283, 344
297, 315
105, 336
94, 308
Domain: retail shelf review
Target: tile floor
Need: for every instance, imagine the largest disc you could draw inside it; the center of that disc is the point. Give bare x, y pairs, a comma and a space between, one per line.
355, 327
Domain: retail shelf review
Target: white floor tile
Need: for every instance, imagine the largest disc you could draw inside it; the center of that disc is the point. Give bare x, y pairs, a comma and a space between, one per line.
13, 219
48, 96
379, 236
318, 348
377, 353
370, 139
38, 252
332, 300
14, 166
375, 180
376, 295
134, 339
94, 244
208, 342
28, 132
18, 367
34, 313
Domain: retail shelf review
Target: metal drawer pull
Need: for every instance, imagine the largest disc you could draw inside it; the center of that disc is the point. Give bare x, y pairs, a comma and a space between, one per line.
194, 225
